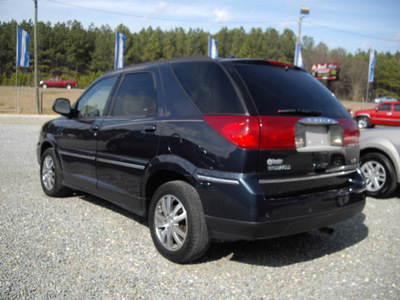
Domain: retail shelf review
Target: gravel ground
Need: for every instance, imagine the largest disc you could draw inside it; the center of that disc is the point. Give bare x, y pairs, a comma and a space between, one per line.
81, 247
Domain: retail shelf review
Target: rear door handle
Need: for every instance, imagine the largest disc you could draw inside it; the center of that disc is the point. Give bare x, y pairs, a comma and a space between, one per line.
149, 129
94, 128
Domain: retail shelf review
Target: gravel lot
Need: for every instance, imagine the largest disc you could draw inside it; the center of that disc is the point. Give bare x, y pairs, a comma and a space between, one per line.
81, 247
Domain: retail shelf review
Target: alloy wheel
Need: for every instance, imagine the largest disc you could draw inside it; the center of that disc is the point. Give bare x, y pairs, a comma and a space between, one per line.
48, 173
170, 220
375, 175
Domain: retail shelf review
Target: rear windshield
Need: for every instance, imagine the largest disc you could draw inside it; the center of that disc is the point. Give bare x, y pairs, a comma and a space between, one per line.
277, 88
209, 87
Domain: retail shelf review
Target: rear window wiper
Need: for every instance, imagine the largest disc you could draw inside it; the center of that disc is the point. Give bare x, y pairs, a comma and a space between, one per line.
301, 112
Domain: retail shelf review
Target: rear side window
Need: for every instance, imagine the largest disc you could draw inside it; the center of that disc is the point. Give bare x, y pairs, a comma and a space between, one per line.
209, 87
275, 88
397, 107
136, 96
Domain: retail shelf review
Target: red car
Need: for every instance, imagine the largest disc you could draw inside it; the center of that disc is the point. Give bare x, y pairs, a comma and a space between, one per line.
386, 113
58, 82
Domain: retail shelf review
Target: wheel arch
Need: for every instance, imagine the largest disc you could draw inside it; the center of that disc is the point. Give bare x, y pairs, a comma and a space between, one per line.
48, 142
363, 115
164, 169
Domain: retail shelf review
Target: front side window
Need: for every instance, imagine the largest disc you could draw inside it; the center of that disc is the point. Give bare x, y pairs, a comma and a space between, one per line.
93, 102
136, 96
385, 107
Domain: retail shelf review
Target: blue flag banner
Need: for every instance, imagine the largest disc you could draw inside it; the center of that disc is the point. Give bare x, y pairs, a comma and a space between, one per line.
22, 48
119, 50
371, 66
299, 58
212, 48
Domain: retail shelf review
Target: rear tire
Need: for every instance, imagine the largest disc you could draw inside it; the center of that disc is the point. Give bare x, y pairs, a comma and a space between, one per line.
50, 175
177, 223
380, 175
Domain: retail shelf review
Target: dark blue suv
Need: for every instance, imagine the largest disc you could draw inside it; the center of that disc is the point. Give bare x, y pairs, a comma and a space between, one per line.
230, 149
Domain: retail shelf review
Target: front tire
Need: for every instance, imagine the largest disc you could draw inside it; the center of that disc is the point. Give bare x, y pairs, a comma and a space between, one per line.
44, 86
50, 175
177, 223
68, 86
364, 122
380, 175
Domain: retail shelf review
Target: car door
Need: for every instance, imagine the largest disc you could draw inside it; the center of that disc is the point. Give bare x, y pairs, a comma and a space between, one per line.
396, 115
128, 139
77, 136
383, 114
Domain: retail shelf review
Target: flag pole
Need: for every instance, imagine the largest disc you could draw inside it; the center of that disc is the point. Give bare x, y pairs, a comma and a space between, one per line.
16, 71
209, 44
35, 41
369, 74
115, 49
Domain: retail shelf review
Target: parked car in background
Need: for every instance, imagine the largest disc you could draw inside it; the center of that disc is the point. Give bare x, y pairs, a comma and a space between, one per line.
386, 113
385, 99
58, 82
380, 160
230, 149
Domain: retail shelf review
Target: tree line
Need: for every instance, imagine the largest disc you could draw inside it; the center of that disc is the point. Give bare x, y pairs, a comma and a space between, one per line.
70, 50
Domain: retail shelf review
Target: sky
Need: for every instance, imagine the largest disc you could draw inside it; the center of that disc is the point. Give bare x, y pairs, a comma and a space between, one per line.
349, 24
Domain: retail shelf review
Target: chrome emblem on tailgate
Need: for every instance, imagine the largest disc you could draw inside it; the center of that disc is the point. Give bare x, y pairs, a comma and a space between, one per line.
275, 164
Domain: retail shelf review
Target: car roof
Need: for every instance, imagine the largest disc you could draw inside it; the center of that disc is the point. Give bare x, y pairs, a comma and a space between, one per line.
199, 59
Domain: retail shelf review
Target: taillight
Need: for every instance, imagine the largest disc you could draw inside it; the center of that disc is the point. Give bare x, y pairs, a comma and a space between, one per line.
278, 132
351, 133
242, 131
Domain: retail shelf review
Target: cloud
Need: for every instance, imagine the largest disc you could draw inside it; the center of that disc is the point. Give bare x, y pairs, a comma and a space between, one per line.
397, 37
285, 23
366, 45
162, 7
222, 15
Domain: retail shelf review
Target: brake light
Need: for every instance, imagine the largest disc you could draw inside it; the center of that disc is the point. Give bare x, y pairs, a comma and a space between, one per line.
279, 63
275, 132
278, 133
351, 133
242, 131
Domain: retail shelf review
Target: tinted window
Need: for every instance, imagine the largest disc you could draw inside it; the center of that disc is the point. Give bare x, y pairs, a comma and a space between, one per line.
276, 88
397, 107
93, 102
209, 87
136, 96
385, 107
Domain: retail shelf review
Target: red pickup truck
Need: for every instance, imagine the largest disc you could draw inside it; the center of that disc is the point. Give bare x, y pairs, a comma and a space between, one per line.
58, 82
386, 113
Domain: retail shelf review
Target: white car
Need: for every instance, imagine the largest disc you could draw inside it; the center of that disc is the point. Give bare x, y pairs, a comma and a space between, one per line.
380, 160
385, 99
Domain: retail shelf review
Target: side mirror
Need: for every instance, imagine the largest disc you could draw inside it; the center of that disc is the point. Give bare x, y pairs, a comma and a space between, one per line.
62, 106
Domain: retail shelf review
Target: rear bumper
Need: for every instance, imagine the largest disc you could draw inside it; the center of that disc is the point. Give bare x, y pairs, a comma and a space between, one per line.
242, 211
233, 230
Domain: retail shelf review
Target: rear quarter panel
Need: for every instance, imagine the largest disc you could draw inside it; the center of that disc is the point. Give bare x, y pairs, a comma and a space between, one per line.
386, 140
